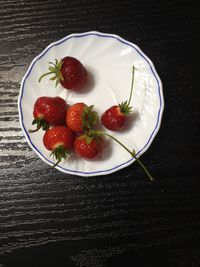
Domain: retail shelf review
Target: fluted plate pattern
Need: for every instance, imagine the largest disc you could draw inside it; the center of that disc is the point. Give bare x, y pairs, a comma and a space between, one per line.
109, 60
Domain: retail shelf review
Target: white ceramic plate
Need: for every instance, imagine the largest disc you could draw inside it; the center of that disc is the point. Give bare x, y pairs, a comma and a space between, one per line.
109, 60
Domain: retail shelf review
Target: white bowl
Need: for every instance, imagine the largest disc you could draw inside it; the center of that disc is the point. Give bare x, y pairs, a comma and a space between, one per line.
109, 60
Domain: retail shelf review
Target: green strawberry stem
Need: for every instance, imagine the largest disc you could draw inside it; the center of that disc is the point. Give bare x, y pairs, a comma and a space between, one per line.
89, 118
132, 153
45, 74
59, 153
125, 107
41, 123
133, 72
35, 130
55, 70
55, 164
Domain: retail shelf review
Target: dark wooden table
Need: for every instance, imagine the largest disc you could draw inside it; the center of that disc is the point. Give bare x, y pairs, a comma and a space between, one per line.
48, 218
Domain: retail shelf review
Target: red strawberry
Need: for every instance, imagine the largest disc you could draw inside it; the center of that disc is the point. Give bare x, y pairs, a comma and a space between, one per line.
115, 117
59, 140
69, 72
88, 147
81, 118
49, 111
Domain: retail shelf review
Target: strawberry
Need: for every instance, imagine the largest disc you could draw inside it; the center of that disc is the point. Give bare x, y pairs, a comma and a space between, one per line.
88, 147
49, 111
80, 117
69, 72
59, 140
115, 117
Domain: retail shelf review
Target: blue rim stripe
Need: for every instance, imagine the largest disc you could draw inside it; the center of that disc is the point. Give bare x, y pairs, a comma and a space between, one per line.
79, 36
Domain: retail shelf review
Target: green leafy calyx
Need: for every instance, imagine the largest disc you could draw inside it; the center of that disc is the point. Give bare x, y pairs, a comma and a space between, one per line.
55, 69
90, 136
125, 108
40, 123
89, 118
59, 153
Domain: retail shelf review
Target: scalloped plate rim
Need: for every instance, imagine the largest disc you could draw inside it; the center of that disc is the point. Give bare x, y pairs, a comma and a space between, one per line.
159, 116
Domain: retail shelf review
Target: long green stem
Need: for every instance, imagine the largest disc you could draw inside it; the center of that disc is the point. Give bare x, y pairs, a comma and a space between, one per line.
132, 153
133, 71
56, 70
144, 168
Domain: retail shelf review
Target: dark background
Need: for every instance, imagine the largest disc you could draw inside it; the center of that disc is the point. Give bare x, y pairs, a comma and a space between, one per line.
48, 218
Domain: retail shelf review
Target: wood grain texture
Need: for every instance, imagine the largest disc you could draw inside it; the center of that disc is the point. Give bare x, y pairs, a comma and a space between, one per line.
48, 218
